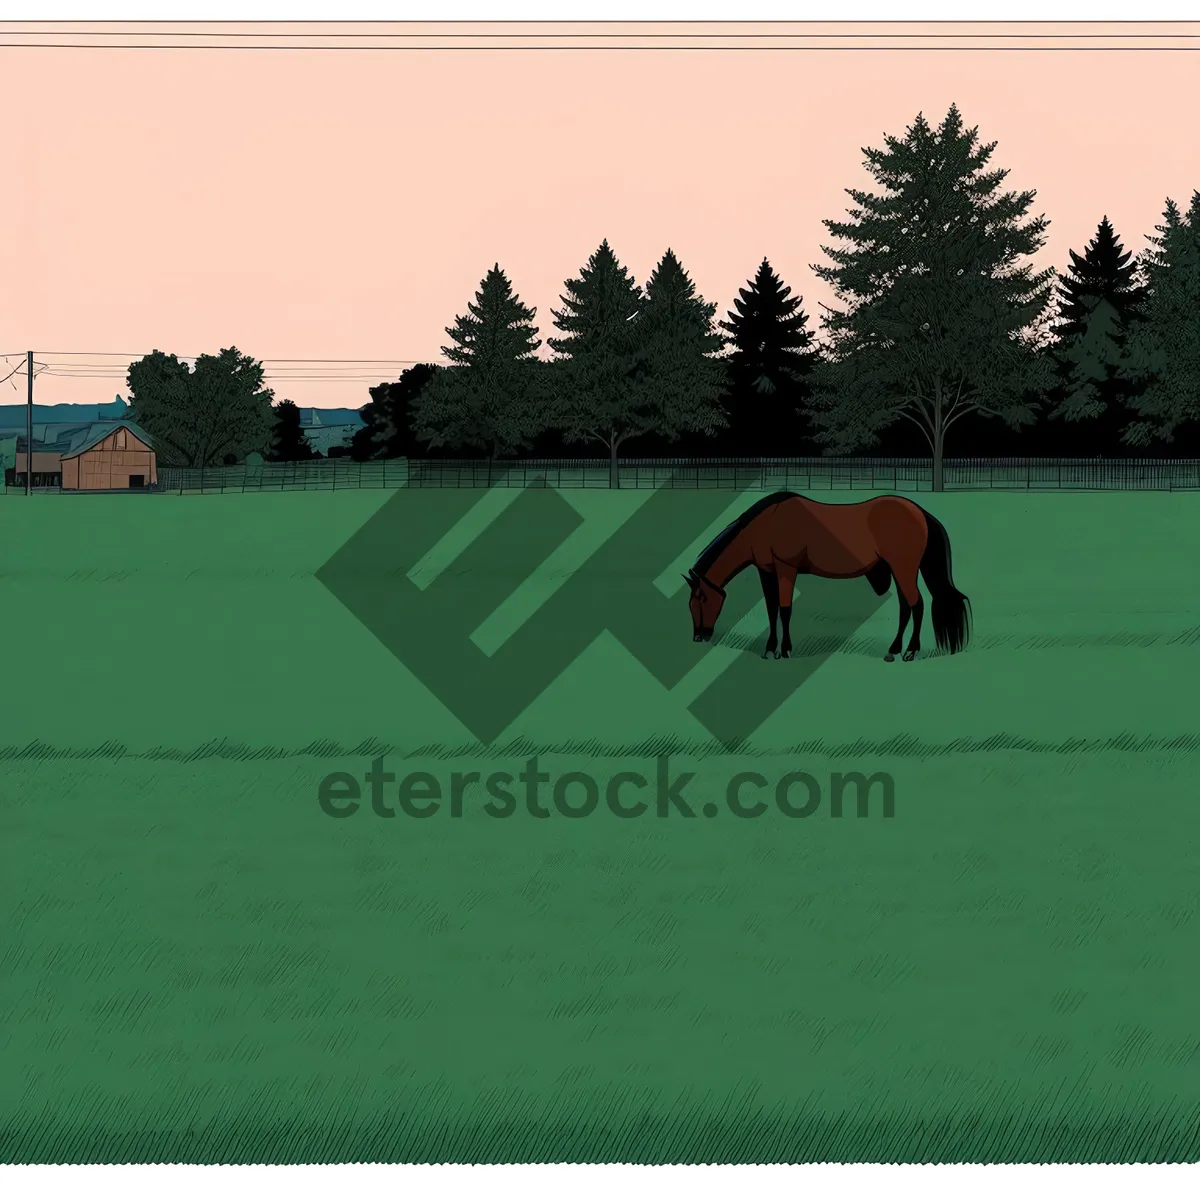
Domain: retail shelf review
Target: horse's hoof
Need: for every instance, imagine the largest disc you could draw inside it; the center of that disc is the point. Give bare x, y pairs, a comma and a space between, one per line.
909, 655
786, 654
776, 653
889, 658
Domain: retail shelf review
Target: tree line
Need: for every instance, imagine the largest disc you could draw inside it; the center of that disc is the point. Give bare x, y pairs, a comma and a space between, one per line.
943, 339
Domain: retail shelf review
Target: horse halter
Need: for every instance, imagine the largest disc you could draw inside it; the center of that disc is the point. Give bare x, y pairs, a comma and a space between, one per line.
693, 578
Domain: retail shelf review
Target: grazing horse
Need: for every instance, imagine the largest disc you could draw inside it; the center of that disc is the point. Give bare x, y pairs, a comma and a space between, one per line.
884, 538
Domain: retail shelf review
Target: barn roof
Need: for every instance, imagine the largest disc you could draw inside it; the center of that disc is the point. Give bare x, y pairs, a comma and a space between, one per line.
55, 437
95, 433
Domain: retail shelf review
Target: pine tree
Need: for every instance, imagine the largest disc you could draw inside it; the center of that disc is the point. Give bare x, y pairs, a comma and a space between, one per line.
631, 363
488, 398
942, 313
771, 360
289, 443
1099, 298
600, 364
1105, 271
686, 376
1164, 347
497, 333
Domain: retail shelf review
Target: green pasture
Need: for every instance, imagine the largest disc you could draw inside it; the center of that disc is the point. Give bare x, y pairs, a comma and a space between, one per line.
199, 964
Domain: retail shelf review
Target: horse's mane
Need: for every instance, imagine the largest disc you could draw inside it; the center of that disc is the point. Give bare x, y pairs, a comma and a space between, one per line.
712, 551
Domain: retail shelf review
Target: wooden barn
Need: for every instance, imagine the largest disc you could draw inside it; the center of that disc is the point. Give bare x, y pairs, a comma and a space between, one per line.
111, 456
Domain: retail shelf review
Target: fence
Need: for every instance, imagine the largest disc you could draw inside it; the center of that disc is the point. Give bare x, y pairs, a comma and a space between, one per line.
312, 475
800, 474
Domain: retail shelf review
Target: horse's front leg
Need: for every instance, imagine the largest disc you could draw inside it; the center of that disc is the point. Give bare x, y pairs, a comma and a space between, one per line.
771, 596
787, 582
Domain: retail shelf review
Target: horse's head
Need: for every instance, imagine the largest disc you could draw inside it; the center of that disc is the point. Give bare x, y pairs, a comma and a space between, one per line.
705, 604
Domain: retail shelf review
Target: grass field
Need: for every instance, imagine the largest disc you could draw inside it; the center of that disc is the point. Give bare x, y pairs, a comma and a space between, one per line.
199, 964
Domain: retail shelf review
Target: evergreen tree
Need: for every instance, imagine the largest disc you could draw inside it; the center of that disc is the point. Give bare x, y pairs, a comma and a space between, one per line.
632, 363
1164, 347
686, 375
942, 313
1099, 297
769, 367
289, 443
1104, 271
387, 419
600, 365
489, 398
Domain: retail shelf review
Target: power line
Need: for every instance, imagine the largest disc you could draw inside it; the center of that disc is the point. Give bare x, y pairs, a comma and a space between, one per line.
120, 373
368, 362
357, 362
363, 365
146, 353
630, 49
280, 381
295, 373
542, 35
279, 370
541, 39
618, 21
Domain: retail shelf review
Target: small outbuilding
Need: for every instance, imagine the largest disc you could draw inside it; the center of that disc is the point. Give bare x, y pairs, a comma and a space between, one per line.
113, 455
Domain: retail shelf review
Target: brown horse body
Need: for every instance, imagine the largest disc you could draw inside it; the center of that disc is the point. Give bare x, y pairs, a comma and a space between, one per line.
884, 538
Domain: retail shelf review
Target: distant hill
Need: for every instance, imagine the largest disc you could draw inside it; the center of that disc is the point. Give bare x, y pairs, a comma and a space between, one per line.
329, 416
14, 415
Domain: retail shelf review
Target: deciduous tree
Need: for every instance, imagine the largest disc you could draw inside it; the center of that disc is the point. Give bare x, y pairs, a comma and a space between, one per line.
387, 419
200, 416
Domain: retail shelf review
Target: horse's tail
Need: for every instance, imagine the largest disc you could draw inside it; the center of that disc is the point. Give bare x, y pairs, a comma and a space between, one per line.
951, 609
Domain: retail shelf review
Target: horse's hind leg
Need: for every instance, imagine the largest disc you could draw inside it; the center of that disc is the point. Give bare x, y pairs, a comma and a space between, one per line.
905, 610
914, 644
770, 587
912, 602
786, 576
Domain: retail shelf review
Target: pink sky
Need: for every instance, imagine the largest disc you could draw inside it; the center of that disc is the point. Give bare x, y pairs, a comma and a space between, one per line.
346, 205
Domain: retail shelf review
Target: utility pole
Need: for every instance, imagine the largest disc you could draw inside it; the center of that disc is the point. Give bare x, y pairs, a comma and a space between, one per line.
29, 427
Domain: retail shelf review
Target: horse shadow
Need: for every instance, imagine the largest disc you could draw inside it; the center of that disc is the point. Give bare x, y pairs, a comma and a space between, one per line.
835, 632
